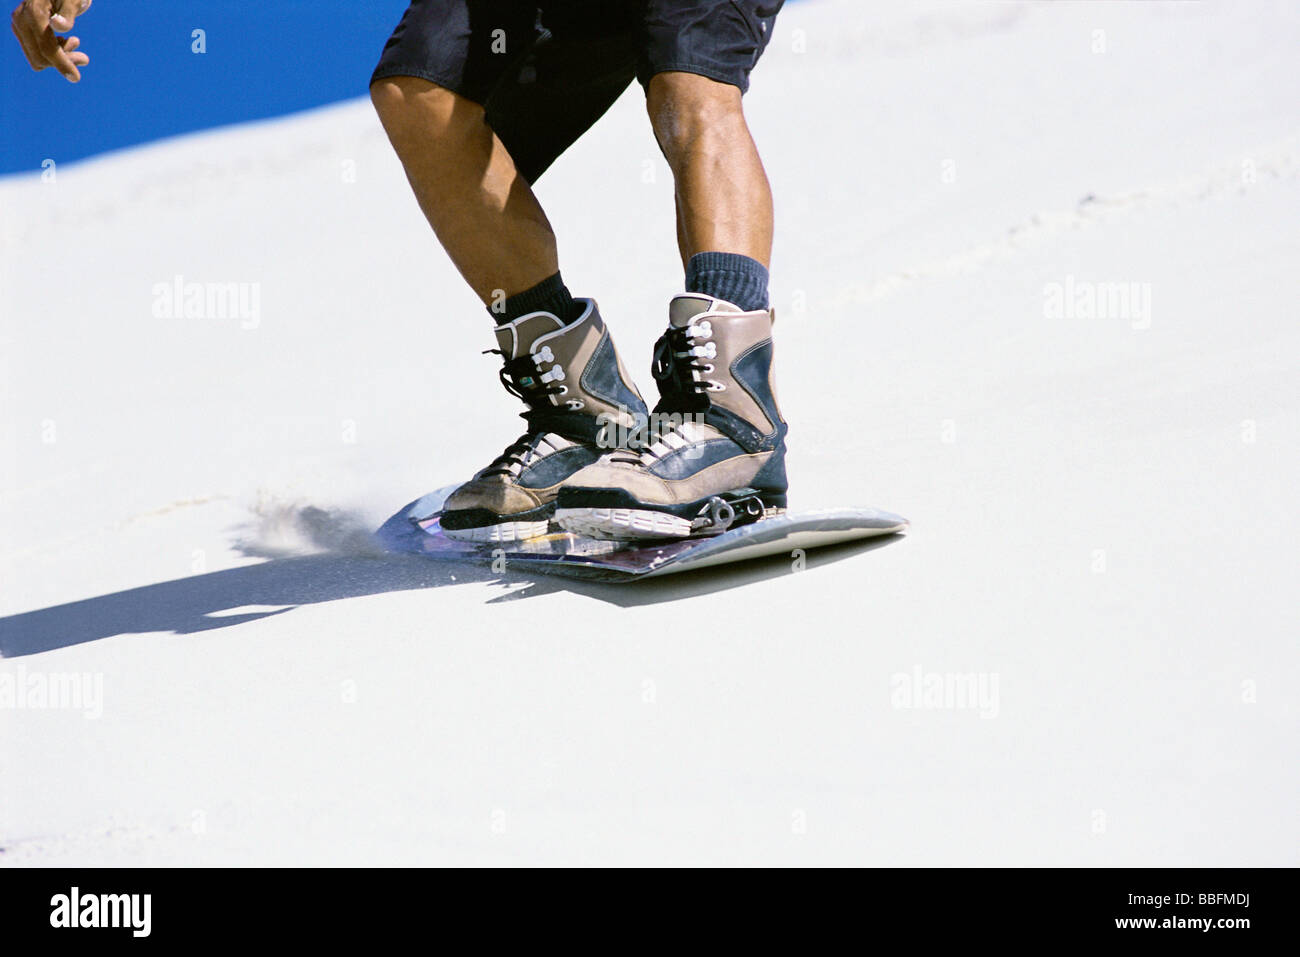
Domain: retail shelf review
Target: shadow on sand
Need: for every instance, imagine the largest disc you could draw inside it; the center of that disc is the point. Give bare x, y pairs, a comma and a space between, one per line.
188, 606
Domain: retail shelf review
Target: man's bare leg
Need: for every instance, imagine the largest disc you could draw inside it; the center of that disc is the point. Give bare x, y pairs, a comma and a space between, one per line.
557, 356
483, 212
724, 202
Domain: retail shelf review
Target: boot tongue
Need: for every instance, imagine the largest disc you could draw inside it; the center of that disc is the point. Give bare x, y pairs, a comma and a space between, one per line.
516, 338
688, 305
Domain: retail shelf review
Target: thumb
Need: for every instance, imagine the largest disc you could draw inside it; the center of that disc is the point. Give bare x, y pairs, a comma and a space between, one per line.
67, 13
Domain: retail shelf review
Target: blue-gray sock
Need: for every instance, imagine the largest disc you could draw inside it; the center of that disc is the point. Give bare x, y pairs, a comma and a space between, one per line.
550, 295
729, 276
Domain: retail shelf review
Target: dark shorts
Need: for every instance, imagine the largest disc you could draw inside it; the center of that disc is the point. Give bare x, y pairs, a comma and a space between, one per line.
545, 72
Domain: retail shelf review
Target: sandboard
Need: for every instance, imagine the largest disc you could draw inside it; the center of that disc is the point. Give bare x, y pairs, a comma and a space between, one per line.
415, 530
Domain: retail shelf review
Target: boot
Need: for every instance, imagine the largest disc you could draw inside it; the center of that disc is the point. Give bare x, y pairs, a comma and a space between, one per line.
716, 433
578, 396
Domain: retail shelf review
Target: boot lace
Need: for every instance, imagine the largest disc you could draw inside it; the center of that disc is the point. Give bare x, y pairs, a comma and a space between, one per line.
681, 367
526, 379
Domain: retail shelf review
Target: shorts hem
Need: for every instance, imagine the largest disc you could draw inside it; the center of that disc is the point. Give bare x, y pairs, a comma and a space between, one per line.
441, 79
722, 76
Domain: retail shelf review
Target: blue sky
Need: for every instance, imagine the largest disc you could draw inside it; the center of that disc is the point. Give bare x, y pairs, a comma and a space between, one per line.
143, 82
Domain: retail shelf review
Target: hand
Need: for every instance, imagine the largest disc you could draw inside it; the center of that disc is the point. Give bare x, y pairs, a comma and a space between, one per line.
34, 23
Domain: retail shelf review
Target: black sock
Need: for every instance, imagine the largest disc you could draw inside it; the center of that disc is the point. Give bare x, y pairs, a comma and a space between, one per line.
729, 276
550, 295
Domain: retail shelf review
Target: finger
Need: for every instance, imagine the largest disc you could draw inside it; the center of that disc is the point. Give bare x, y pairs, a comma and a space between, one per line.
54, 55
70, 44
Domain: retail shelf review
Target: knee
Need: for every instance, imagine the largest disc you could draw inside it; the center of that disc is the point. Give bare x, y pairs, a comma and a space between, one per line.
691, 113
416, 112
390, 101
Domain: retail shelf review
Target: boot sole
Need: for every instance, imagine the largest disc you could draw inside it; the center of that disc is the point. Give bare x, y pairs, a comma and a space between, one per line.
618, 519
503, 532
622, 524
